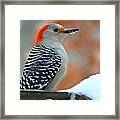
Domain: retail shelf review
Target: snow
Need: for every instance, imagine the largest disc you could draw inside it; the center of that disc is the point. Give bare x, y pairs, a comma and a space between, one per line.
89, 87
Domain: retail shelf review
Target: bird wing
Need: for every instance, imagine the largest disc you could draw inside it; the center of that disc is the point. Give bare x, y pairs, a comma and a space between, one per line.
41, 67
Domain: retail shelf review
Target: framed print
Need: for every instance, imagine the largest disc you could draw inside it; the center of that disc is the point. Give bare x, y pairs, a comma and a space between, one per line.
59, 59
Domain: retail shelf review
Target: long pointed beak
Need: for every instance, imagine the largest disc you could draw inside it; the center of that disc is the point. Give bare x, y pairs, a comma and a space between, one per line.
71, 30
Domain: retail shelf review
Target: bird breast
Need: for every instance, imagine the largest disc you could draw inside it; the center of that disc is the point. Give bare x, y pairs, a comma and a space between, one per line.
64, 58
62, 52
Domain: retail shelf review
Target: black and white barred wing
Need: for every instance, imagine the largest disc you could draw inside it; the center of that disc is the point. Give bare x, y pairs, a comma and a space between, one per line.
40, 69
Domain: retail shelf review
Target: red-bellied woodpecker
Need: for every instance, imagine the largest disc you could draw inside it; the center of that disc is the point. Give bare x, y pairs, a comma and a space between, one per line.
47, 61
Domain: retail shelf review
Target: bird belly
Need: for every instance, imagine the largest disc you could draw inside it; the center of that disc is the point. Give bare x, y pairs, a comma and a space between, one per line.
60, 74
58, 77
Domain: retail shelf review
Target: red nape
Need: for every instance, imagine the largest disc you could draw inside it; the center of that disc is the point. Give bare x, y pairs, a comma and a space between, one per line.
40, 33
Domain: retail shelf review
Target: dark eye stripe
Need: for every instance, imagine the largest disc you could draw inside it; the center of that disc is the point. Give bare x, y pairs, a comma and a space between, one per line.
55, 29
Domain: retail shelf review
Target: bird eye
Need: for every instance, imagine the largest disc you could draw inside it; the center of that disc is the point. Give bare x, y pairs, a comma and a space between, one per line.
55, 29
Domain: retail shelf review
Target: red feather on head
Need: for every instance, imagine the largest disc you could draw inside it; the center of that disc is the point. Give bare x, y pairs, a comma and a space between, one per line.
40, 33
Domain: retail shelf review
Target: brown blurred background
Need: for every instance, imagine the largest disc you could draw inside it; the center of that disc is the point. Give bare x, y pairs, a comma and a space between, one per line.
83, 48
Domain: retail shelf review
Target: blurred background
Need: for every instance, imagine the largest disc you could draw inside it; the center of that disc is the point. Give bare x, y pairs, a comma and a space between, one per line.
83, 48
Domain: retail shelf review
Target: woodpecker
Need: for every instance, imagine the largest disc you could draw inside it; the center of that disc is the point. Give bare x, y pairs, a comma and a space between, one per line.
47, 62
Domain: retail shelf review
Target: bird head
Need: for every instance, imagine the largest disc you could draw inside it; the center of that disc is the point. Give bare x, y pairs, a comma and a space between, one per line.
50, 33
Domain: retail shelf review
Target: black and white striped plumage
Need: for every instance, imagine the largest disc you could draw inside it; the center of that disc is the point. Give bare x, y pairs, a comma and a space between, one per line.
47, 62
41, 68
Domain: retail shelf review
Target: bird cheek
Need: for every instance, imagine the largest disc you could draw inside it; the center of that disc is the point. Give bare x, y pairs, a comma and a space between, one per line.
54, 33
61, 36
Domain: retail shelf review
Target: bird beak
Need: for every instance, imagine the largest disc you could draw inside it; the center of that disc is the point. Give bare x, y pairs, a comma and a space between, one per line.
70, 30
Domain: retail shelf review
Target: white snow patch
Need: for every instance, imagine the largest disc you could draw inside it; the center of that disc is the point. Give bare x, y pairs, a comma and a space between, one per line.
89, 87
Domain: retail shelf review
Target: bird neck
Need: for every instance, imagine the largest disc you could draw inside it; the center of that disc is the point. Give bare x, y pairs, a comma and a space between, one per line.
51, 42
55, 44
